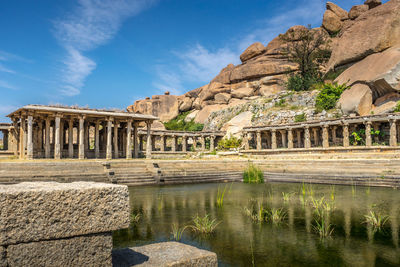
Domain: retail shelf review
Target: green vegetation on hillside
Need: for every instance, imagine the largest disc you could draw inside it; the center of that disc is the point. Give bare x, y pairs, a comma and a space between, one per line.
179, 124
329, 95
307, 48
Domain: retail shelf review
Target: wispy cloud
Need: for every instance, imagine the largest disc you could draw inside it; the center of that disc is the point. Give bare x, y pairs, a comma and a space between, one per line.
201, 64
5, 69
7, 85
92, 24
195, 64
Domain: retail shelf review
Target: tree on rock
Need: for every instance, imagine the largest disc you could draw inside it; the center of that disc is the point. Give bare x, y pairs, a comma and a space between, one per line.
309, 48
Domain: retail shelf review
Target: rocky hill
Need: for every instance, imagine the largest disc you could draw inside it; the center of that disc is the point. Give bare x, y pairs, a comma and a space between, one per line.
365, 46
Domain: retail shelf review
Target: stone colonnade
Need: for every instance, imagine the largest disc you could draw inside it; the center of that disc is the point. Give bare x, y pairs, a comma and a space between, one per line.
57, 135
368, 131
179, 141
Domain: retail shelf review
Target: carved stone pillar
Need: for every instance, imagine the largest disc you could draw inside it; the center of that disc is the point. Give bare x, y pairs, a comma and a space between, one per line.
393, 133
128, 140
283, 137
153, 143
203, 143
81, 147
148, 144
346, 140
299, 143
325, 136
334, 128
57, 137
109, 139
97, 140
184, 143
22, 138
135, 140
62, 135
212, 143
162, 141
47, 143
258, 138
86, 141
116, 151
246, 138
71, 138
273, 139
307, 141
290, 138
316, 136
368, 139
173, 144
30, 138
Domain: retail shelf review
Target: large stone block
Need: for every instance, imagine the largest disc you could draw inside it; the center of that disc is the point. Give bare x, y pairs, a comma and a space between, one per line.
92, 250
48, 210
164, 254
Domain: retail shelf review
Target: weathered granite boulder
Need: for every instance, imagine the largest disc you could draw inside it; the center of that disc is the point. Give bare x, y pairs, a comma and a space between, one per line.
222, 98
225, 75
242, 92
191, 115
165, 107
237, 123
213, 89
357, 99
60, 224
331, 22
380, 71
203, 114
340, 12
357, 10
374, 31
252, 51
186, 104
373, 3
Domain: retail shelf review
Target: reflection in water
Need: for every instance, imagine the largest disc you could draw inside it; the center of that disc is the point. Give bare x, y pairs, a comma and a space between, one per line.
239, 241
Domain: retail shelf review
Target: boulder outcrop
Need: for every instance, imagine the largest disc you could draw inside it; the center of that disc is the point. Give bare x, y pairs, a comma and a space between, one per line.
373, 31
252, 51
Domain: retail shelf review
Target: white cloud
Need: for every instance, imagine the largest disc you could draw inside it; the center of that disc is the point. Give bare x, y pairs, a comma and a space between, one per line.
6, 85
196, 64
92, 24
5, 69
200, 64
7, 109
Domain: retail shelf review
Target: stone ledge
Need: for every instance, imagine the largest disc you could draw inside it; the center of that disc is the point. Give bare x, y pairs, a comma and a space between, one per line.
164, 254
91, 250
47, 210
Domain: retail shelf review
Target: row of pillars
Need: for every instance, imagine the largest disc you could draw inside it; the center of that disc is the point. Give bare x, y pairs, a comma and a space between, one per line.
5, 139
26, 131
287, 138
174, 142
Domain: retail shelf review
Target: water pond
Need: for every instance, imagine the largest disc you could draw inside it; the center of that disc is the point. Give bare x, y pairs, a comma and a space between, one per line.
273, 224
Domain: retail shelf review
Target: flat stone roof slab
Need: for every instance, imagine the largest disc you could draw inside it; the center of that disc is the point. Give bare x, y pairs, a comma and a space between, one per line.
36, 211
164, 254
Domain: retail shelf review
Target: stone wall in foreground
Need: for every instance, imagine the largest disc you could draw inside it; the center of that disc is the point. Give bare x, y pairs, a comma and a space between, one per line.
60, 224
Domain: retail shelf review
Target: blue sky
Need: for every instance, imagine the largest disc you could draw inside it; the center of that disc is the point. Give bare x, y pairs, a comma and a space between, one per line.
109, 53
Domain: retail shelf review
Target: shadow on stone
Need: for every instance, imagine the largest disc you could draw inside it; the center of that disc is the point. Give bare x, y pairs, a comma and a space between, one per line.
127, 257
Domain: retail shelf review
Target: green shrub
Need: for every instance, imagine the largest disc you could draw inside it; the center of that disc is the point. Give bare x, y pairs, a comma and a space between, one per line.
297, 83
253, 175
300, 118
280, 103
397, 109
329, 95
228, 143
179, 124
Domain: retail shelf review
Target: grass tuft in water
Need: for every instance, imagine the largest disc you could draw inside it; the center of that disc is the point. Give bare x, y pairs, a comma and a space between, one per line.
220, 196
256, 211
376, 220
177, 232
276, 216
204, 225
135, 217
287, 196
322, 227
253, 175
